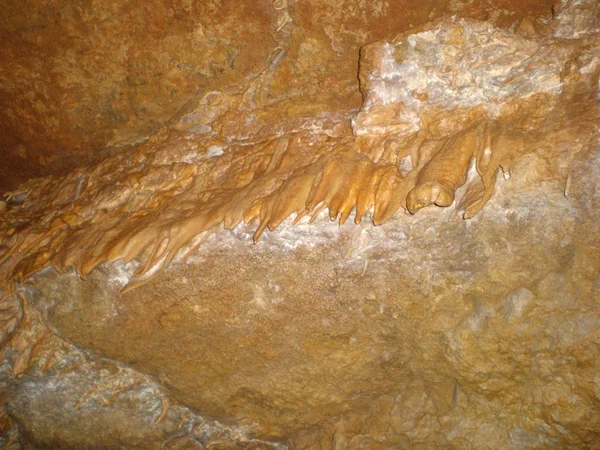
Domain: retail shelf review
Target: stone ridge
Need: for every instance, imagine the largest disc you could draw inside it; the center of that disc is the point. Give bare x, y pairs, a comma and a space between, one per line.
151, 202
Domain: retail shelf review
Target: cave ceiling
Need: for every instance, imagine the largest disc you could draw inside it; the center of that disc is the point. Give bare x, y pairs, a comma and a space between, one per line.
80, 81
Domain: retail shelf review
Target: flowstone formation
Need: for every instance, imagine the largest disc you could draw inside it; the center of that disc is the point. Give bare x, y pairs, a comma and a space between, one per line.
425, 331
79, 82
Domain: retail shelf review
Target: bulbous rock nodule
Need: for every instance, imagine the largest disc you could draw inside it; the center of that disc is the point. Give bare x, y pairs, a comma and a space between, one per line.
429, 194
445, 172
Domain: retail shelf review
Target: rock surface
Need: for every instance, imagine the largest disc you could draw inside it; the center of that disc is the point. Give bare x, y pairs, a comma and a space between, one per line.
137, 313
422, 332
81, 81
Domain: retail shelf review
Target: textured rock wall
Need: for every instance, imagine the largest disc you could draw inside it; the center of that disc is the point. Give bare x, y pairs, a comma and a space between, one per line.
137, 313
80, 77
420, 332
78, 81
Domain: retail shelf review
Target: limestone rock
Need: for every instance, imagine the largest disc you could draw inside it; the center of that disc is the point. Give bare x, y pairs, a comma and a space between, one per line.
137, 312
421, 332
79, 82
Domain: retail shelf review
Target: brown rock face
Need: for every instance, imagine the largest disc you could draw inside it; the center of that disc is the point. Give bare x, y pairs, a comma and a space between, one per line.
135, 311
81, 81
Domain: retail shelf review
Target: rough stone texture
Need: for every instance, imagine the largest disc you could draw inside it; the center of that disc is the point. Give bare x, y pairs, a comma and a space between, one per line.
427, 331
79, 81
422, 332
80, 78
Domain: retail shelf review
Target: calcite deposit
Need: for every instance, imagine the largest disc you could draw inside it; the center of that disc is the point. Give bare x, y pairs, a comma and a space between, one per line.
80, 81
461, 309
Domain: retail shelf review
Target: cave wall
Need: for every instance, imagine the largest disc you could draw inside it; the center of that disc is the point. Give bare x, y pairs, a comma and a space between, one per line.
82, 80
374, 226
